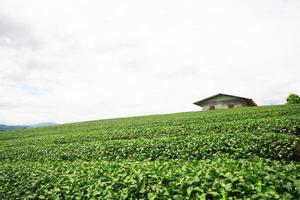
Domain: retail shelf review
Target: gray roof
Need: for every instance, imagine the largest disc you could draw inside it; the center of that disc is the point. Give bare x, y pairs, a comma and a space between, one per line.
249, 101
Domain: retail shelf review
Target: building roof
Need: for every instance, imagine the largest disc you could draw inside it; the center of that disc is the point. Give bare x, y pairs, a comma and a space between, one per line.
249, 101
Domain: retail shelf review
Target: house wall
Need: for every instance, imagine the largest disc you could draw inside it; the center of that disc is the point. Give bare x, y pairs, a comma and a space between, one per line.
222, 102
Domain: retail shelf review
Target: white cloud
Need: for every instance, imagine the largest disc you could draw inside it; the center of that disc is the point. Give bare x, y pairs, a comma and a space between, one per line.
66, 61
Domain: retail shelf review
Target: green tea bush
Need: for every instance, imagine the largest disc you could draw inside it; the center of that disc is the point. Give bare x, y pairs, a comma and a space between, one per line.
205, 179
243, 153
235, 145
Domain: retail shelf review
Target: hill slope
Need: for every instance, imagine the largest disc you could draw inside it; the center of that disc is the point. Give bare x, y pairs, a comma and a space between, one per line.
239, 153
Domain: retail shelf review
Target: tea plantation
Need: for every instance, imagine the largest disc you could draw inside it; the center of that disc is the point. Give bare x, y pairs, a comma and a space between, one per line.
243, 153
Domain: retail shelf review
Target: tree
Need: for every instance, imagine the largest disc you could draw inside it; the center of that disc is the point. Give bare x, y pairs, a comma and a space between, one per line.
293, 99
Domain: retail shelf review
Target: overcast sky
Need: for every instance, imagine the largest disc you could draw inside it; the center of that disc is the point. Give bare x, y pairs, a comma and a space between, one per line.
66, 61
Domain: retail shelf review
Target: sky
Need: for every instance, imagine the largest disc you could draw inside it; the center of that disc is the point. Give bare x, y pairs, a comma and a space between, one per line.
75, 60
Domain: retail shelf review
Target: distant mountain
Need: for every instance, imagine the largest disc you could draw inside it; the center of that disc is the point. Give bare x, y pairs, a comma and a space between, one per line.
10, 127
6, 127
42, 124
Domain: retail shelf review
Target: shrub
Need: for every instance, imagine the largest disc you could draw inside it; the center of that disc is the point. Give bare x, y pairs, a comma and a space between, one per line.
243, 153
202, 179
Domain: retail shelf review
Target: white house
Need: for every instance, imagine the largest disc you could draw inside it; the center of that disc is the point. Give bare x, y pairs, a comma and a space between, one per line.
221, 101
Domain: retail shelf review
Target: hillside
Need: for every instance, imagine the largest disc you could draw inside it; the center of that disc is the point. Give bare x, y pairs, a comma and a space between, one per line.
222, 154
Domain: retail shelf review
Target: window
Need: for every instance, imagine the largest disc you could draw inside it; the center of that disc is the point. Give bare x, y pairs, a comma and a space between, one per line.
230, 105
211, 107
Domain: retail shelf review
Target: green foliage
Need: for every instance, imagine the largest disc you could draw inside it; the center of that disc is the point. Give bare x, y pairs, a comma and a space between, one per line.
234, 145
245, 153
205, 179
293, 99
